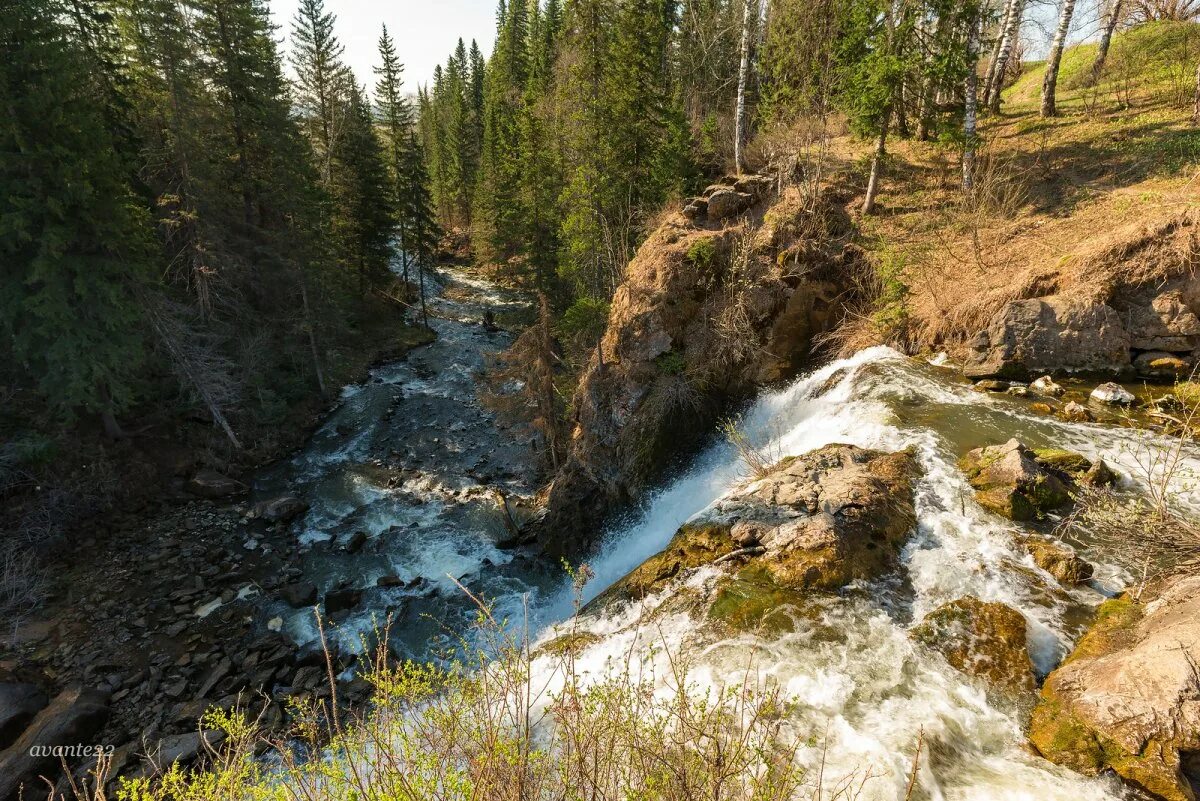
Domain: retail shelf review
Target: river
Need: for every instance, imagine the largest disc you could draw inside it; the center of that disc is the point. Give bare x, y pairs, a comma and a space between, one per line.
409, 456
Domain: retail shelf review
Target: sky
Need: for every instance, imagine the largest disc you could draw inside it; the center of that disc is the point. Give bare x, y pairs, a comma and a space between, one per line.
425, 31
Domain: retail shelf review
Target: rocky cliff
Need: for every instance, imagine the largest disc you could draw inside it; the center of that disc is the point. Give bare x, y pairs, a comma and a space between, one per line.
728, 295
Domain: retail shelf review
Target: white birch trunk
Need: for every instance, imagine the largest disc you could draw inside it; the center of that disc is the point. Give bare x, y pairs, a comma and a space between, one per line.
1110, 26
868, 206
1010, 8
1050, 82
1008, 43
971, 104
739, 128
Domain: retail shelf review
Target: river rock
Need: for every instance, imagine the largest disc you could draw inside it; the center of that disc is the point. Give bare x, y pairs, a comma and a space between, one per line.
282, 509
1074, 412
208, 483
299, 594
983, 639
19, 703
1010, 481
1112, 394
1158, 364
1056, 559
1046, 386
73, 717
1128, 698
813, 522
342, 599
1046, 334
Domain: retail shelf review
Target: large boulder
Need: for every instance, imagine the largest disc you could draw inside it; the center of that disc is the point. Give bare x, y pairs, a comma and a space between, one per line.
19, 703
71, 719
1011, 481
984, 639
1048, 334
812, 522
1159, 320
1128, 698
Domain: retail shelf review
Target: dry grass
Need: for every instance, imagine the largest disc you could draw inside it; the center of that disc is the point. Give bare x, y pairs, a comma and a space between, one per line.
1105, 195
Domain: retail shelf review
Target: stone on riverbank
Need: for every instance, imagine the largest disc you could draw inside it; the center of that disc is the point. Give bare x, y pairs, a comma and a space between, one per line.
1128, 698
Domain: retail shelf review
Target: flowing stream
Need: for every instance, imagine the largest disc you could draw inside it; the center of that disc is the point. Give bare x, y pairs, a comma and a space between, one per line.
860, 685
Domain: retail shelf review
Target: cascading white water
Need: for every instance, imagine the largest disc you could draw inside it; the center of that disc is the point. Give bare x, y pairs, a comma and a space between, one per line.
869, 692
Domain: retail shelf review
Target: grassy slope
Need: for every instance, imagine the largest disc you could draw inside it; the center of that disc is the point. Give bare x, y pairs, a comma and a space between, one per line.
1121, 159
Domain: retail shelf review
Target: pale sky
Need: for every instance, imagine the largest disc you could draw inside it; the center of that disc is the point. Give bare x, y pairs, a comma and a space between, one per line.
425, 31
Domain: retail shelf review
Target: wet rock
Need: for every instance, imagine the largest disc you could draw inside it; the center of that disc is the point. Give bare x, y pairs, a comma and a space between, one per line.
993, 385
1075, 413
1128, 697
1046, 386
299, 595
817, 522
282, 509
1161, 365
1112, 394
355, 542
1009, 480
208, 483
342, 599
1056, 559
1041, 408
982, 639
725, 203
19, 703
74, 716
1047, 334
389, 581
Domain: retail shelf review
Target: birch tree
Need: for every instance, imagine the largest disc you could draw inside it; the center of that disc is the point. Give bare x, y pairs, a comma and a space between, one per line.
1008, 43
1054, 60
739, 128
1110, 25
971, 101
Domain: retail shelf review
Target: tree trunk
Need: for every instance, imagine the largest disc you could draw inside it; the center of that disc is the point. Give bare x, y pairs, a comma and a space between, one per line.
1008, 43
312, 336
1010, 8
971, 104
739, 130
1050, 82
112, 429
1196, 110
1110, 25
868, 206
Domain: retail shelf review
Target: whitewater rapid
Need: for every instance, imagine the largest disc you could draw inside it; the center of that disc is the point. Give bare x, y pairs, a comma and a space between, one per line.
868, 694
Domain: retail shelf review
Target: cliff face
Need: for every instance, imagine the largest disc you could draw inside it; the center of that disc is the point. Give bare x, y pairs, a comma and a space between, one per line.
727, 296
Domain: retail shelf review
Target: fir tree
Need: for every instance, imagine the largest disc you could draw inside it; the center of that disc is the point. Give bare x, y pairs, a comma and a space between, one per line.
73, 240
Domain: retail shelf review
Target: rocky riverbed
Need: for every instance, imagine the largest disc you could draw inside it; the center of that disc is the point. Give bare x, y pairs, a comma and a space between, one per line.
209, 598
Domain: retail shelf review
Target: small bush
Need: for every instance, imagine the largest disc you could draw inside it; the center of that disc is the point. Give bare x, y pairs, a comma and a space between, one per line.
671, 363
702, 253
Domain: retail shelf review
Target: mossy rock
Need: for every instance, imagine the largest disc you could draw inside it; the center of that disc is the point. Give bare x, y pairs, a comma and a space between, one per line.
1124, 699
693, 545
1011, 480
572, 643
983, 639
1068, 462
753, 601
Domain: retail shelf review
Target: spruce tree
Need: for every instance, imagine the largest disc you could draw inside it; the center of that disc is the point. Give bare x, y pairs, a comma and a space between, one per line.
72, 238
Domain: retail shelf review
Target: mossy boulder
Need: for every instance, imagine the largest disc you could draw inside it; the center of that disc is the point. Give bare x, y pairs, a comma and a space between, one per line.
1128, 698
983, 639
1056, 559
812, 522
1011, 481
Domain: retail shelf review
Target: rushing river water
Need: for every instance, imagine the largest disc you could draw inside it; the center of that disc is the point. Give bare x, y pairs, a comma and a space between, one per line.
860, 684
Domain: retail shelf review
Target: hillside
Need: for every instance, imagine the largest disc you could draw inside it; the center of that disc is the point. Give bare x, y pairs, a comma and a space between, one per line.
1117, 169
